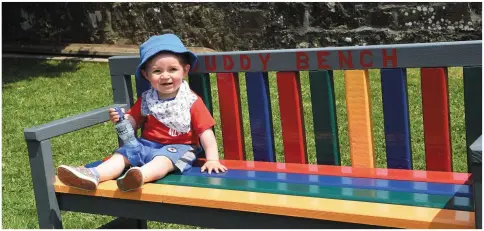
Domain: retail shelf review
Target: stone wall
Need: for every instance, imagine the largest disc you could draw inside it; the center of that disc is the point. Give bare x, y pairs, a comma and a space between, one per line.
243, 26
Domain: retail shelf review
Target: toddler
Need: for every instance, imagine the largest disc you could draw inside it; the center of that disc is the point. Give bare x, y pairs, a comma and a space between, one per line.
175, 121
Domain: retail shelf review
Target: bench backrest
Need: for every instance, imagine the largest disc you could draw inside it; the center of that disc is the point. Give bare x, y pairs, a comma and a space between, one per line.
392, 60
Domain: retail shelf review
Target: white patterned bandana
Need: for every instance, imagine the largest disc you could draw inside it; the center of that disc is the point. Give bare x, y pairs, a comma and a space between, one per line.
175, 114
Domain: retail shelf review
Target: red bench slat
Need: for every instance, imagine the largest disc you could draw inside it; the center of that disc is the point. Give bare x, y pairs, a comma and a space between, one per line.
230, 116
292, 117
436, 119
330, 170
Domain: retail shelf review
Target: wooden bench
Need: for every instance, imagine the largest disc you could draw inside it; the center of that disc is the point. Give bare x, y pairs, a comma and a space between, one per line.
266, 194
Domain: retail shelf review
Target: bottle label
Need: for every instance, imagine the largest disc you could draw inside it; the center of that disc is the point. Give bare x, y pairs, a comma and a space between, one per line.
125, 131
122, 130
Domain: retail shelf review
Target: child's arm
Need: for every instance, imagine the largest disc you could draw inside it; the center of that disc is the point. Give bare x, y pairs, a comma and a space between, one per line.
209, 143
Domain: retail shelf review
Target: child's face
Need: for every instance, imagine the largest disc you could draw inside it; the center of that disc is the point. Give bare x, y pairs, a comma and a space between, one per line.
165, 73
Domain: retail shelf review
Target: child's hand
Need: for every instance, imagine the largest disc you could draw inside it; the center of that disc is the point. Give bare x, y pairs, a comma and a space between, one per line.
113, 115
214, 165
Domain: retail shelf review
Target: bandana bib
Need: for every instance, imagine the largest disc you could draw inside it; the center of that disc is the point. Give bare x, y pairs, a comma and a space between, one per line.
175, 114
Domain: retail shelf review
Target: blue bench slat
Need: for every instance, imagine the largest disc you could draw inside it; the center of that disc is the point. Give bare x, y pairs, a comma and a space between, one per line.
349, 182
260, 116
395, 112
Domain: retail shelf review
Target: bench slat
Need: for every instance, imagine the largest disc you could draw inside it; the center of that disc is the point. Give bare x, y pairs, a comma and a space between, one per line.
396, 120
324, 117
142, 85
260, 115
386, 177
292, 117
473, 106
436, 119
375, 173
337, 181
200, 84
231, 116
399, 216
343, 193
360, 127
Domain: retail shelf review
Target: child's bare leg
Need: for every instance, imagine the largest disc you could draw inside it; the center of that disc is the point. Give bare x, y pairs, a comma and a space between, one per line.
112, 168
89, 178
135, 177
157, 168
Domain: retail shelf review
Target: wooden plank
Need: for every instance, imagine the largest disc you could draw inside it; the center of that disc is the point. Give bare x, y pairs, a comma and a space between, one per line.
69, 124
338, 181
142, 85
448, 54
260, 115
473, 106
374, 173
324, 117
396, 119
316, 208
360, 126
200, 84
476, 169
231, 116
436, 119
292, 117
341, 193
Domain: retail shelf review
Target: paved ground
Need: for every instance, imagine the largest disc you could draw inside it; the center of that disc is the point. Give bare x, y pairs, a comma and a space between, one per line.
77, 51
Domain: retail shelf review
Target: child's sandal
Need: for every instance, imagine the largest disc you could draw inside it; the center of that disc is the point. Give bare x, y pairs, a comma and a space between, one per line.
78, 177
131, 180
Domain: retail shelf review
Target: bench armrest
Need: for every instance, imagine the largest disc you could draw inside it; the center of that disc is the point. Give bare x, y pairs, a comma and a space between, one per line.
476, 150
41, 164
69, 124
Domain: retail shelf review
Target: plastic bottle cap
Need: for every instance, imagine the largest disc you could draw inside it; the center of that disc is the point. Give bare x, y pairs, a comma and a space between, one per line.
120, 113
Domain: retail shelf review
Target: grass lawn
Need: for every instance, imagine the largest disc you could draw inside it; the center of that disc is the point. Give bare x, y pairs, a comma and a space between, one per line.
37, 92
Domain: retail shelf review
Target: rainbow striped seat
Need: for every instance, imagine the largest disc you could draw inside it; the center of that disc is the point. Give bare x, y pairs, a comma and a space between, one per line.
259, 192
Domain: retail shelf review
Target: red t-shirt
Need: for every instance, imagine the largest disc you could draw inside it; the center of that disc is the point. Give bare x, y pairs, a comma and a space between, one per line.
156, 131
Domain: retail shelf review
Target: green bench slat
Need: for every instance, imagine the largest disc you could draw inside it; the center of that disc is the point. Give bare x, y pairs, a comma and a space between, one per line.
324, 117
473, 106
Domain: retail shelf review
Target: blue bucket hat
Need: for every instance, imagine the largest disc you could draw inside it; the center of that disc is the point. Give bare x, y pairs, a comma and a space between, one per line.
158, 43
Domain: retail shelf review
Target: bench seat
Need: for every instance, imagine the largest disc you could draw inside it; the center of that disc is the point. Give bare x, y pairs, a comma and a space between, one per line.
461, 190
332, 170
376, 206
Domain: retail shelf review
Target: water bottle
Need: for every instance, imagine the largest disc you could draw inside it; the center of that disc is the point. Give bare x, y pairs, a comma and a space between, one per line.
126, 134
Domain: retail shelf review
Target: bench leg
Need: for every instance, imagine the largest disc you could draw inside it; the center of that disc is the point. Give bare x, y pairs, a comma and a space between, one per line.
125, 223
40, 158
477, 192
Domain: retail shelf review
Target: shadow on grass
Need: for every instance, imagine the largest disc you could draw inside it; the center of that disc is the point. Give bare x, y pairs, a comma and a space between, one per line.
19, 69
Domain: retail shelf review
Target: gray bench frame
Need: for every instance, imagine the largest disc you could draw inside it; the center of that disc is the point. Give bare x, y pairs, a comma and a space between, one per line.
133, 214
